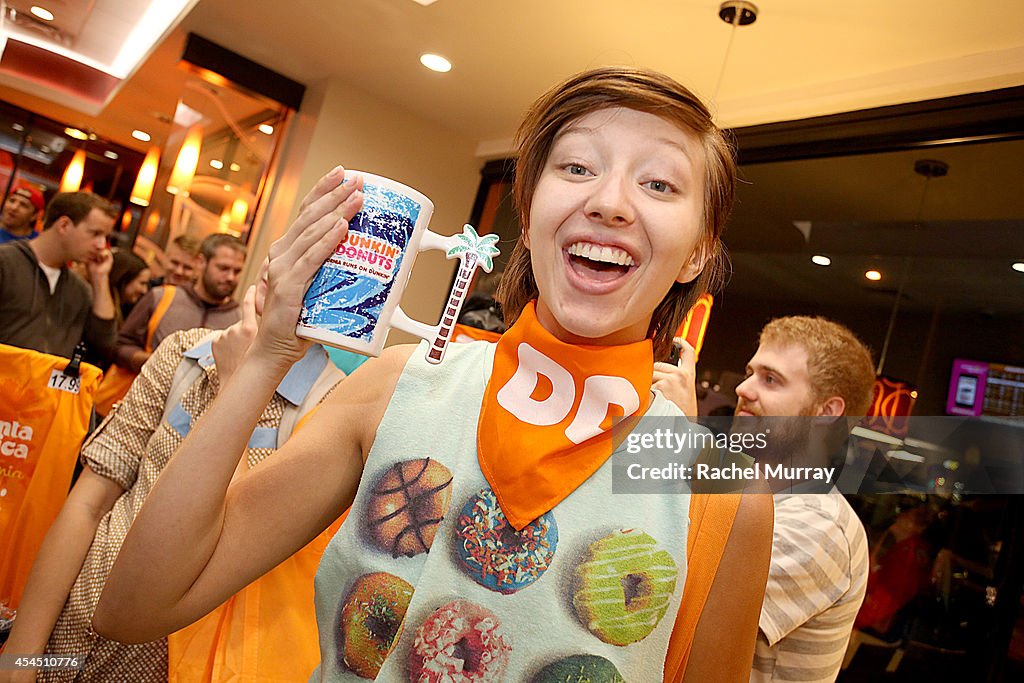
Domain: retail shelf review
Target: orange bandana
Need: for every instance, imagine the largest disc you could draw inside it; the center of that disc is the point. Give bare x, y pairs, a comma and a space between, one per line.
549, 407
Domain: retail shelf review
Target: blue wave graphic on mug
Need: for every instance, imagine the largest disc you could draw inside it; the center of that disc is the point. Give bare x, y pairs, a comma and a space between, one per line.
348, 293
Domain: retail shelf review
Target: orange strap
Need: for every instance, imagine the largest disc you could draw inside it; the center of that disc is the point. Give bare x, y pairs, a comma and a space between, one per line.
158, 314
711, 519
117, 380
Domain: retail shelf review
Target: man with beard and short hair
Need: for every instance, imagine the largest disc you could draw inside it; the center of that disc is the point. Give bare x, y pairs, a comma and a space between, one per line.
818, 372
21, 210
207, 304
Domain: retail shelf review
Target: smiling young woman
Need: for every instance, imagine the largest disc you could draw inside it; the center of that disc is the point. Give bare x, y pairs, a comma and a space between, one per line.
623, 188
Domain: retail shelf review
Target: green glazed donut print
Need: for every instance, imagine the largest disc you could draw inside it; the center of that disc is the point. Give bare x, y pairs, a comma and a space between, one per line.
625, 586
579, 669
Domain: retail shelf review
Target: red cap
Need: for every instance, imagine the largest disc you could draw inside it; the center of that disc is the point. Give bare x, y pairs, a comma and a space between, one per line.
31, 193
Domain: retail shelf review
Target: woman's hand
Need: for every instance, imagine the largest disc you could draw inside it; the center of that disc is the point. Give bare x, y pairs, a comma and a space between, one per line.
231, 344
678, 382
321, 225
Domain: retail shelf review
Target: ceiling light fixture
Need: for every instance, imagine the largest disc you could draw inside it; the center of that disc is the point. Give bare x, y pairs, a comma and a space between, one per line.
110, 154
41, 13
76, 134
735, 13
141, 135
929, 168
71, 181
265, 128
1018, 266
18, 127
186, 163
435, 62
142, 191
158, 18
873, 275
235, 167
217, 164
821, 260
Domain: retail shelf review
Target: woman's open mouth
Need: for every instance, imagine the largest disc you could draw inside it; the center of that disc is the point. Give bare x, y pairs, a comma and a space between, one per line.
598, 264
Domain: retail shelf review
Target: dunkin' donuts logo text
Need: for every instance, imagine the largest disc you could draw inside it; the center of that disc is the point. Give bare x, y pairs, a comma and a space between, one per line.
14, 438
367, 254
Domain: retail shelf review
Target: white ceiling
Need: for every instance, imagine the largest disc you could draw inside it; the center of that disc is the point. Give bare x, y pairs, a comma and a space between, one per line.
800, 58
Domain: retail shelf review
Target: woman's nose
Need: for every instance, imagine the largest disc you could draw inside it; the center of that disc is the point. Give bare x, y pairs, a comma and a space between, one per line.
610, 202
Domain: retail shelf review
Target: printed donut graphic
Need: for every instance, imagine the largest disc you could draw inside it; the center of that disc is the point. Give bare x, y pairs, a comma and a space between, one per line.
406, 506
459, 642
579, 669
497, 556
624, 587
371, 621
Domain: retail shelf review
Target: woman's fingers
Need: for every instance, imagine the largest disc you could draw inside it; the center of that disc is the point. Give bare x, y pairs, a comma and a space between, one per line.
325, 199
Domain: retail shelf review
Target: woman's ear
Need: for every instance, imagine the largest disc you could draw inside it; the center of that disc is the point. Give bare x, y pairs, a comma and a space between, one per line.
694, 265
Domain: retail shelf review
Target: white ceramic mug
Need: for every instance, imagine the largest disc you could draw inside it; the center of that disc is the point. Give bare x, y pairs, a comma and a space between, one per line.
352, 302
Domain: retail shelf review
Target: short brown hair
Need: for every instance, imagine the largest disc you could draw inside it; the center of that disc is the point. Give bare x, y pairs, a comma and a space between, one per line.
838, 363
76, 206
211, 243
645, 91
189, 245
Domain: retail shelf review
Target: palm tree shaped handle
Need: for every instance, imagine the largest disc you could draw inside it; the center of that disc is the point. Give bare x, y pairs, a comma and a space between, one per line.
473, 251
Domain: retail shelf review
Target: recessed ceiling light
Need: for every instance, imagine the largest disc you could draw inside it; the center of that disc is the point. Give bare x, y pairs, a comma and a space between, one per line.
1018, 266
42, 13
435, 62
873, 275
821, 260
18, 127
265, 128
227, 188
76, 134
141, 135
217, 164
235, 167
111, 154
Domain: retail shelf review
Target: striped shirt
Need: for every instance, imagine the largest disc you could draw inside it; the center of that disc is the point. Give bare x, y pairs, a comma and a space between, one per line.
816, 584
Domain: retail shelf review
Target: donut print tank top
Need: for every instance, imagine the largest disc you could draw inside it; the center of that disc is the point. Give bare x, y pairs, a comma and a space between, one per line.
426, 581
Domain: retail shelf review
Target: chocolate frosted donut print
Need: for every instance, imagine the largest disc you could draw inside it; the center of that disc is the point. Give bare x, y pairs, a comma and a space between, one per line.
406, 506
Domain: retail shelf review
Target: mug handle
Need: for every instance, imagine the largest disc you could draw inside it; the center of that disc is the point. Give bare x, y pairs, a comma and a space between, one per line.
473, 251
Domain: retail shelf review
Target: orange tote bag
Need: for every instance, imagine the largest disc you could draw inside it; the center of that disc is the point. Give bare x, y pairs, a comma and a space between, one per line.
44, 416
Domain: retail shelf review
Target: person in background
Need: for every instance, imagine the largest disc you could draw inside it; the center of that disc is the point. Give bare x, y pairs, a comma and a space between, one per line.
44, 306
21, 210
129, 282
121, 461
179, 262
819, 372
206, 304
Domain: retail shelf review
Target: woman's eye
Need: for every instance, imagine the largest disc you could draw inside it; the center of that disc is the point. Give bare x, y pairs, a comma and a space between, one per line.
576, 169
659, 186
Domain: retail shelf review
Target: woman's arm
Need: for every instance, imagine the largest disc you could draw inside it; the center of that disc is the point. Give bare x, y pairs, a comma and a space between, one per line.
59, 560
195, 542
723, 644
